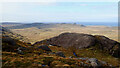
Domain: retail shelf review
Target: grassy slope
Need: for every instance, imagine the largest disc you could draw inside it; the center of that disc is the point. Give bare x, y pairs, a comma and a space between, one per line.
32, 58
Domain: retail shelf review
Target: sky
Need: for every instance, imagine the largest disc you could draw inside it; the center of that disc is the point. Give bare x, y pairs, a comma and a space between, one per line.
59, 11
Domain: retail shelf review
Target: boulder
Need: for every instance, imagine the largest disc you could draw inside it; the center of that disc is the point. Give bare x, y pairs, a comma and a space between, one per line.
21, 49
44, 47
94, 62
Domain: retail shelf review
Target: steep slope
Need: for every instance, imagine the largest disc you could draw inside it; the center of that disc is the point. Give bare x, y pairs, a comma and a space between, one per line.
80, 41
11, 45
7, 33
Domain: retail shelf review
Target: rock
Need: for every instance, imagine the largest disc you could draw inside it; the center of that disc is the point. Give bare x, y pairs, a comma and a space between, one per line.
50, 45
60, 54
20, 52
19, 49
83, 58
94, 62
44, 47
70, 57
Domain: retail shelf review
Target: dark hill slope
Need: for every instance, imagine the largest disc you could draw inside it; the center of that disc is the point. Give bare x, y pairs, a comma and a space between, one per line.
10, 44
81, 41
4, 32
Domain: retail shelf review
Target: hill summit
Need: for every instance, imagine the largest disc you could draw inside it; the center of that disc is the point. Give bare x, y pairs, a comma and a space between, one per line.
81, 41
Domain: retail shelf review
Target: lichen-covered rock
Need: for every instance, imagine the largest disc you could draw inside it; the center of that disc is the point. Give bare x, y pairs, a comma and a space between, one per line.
94, 62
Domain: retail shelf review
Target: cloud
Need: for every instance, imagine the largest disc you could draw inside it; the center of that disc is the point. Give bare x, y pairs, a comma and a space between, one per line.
42, 11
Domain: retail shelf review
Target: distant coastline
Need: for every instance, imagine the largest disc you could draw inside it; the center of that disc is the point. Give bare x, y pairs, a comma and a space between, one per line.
99, 24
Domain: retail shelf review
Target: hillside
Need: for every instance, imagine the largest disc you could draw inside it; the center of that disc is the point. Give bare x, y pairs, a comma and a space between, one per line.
7, 33
53, 53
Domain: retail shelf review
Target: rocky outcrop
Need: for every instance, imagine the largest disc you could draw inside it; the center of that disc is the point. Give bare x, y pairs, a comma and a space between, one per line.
71, 39
80, 41
93, 61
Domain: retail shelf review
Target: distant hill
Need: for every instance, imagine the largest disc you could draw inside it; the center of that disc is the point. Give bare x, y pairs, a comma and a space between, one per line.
10, 24
37, 25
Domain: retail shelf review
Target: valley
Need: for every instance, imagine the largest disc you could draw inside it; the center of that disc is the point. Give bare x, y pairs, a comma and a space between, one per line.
35, 33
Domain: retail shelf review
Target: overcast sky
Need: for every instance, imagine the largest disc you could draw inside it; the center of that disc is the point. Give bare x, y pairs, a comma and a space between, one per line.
59, 12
